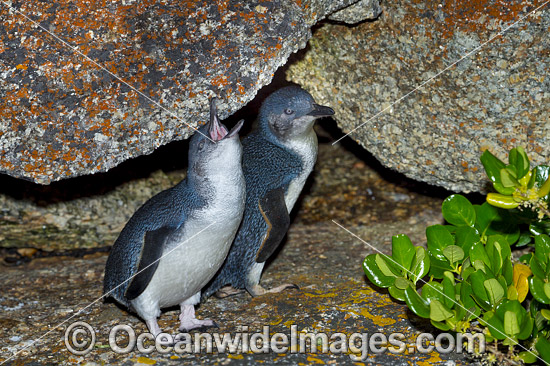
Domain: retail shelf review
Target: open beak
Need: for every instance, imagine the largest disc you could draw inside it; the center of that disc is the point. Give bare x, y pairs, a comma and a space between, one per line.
216, 129
235, 130
321, 111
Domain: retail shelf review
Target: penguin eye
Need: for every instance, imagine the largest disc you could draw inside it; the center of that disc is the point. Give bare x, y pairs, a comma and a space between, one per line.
201, 145
289, 111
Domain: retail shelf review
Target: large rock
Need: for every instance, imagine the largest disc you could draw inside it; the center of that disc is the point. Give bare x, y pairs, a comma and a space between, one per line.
496, 98
86, 85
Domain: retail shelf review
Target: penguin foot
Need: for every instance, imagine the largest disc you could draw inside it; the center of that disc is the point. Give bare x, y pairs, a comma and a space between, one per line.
153, 327
197, 324
227, 291
258, 290
189, 322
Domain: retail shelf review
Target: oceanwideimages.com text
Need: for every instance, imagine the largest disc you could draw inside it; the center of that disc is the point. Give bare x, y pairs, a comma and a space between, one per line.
80, 338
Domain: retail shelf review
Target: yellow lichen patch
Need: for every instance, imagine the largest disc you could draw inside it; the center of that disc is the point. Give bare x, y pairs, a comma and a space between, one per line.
312, 359
235, 357
330, 294
434, 359
146, 361
378, 319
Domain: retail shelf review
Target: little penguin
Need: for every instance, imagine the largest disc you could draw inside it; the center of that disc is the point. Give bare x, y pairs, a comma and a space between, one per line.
277, 159
174, 244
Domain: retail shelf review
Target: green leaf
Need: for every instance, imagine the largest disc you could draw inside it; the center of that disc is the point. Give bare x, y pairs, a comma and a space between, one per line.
541, 175
479, 292
438, 311
542, 248
385, 265
535, 307
438, 267
420, 265
450, 276
416, 303
508, 271
495, 325
528, 356
502, 281
433, 291
542, 345
457, 210
491, 220
438, 238
540, 322
492, 166
466, 295
403, 251
498, 243
539, 228
453, 253
508, 177
478, 252
374, 273
495, 292
467, 272
536, 285
538, 268
479, 265
498, 250
465, 237
441, 325
518, 158
526, 328
524, 239
449, 291
512, 293
485, 215
507, 191
401, 283
511, 325
397, 293
524, 320
545, 313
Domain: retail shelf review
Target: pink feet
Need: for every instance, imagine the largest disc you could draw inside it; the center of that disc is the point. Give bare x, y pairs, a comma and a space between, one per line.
189, 322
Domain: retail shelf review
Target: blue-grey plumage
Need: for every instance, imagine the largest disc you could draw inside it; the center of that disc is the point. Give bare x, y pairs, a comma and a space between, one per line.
277, 159
174, 244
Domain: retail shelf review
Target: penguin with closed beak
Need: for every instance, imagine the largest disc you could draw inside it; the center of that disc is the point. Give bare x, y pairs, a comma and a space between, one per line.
174, 244
277, 159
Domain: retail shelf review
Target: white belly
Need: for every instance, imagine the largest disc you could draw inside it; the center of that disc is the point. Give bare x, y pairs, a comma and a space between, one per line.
188, 265
306, 148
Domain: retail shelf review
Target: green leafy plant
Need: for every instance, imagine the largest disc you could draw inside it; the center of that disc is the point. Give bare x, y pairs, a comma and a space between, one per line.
466, 280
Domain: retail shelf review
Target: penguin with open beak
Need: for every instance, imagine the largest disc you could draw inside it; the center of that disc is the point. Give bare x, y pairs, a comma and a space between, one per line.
175, 243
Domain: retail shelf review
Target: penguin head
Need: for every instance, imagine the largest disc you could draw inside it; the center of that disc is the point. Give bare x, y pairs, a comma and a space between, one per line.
290, 112
214, 150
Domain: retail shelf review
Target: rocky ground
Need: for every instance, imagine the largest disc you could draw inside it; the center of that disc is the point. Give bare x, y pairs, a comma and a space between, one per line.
351, 207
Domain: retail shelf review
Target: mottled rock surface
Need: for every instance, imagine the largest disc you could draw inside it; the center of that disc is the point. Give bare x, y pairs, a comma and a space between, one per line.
496, 98
64, 109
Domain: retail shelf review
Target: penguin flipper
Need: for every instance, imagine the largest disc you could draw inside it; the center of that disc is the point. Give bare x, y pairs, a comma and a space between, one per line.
275, 214
151, 252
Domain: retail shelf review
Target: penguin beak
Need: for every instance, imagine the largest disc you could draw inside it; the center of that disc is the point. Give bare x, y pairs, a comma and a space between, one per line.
216, 130
321, 111
235, 130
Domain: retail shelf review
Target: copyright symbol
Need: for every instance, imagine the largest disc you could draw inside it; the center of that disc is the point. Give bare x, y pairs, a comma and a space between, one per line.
80, 338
